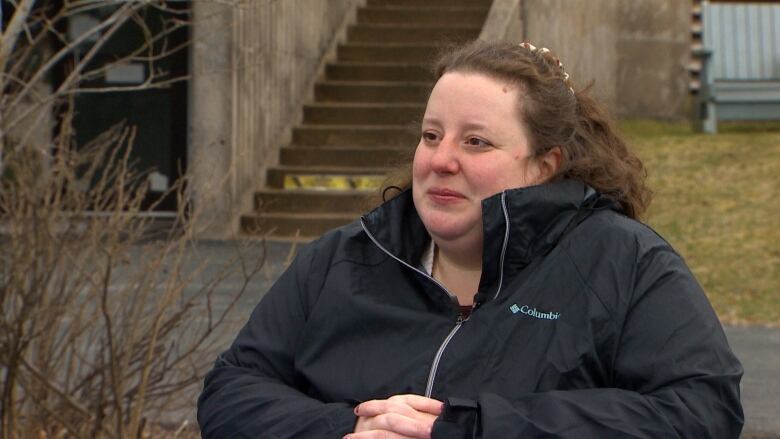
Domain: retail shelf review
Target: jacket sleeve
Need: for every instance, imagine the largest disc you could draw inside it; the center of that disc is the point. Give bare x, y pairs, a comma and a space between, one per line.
673, 375
253, 390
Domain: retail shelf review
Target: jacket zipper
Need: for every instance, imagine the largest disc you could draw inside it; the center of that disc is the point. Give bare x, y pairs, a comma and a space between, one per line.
437, 358
459, 322
453, 331
365, 229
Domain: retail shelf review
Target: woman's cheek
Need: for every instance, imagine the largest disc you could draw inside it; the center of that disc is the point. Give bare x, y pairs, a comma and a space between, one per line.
420, 164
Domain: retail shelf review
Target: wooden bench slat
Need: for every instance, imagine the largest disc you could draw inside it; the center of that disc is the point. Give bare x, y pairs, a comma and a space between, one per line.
754, 91
748, 111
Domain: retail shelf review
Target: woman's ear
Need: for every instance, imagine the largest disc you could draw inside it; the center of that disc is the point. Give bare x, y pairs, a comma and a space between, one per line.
549, 164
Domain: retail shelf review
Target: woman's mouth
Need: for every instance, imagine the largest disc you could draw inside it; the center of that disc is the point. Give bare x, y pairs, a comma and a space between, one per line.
445, 196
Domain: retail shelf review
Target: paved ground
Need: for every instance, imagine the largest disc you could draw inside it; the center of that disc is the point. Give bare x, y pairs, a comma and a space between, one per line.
757, 347
759, 350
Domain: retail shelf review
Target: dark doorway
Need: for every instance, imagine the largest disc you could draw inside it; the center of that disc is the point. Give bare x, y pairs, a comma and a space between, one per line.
158, 114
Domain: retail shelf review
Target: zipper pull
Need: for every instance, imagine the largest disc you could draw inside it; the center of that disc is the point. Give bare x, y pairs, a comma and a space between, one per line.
464, 312
462, 317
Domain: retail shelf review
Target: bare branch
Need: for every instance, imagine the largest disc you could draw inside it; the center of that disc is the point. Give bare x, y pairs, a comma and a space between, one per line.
45, 381
15, 27
113, 23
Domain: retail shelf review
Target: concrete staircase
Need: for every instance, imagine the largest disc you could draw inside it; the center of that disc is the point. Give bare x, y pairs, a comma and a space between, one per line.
358, 126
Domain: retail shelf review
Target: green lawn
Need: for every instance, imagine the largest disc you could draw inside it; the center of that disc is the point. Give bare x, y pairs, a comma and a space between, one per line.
717, 201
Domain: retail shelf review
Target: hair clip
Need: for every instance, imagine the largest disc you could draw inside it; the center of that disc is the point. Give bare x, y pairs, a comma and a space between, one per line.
542, 51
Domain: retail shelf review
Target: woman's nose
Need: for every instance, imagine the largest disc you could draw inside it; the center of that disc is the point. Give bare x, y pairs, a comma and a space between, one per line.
445, 157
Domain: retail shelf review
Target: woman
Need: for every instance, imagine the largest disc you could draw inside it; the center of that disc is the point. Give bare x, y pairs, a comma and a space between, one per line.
509, 293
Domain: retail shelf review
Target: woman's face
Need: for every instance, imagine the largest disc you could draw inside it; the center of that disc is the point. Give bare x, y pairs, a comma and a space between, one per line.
473, 145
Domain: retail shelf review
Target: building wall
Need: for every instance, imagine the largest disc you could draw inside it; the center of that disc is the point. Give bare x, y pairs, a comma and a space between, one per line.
636, 52
253, 64
654, 48
254, 61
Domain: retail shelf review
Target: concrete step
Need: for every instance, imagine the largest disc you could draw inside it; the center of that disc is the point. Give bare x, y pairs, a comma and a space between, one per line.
294, 225
361, 124
388, 53
277, 176
398, 33
452, 16
362, 71
361, 91
335, 135
441, 3
355, 156
310, 201
368, 114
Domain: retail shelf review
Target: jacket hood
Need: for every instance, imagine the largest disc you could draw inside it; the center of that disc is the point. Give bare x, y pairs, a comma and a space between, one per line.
518, 225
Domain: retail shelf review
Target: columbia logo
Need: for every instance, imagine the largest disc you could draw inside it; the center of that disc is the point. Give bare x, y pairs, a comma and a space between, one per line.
533, 312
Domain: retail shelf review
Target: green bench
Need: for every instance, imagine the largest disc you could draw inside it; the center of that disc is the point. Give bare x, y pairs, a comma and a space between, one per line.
741, 63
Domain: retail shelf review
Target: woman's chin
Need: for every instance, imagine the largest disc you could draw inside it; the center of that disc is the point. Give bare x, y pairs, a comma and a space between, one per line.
449, 230
450, 224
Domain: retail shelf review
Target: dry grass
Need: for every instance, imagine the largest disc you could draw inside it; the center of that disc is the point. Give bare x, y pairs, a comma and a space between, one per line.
717, 201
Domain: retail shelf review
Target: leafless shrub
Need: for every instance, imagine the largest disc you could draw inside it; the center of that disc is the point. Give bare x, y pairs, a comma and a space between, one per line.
103, 326
98, 328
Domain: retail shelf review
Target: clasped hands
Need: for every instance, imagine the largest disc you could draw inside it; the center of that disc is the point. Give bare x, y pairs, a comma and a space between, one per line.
398, 417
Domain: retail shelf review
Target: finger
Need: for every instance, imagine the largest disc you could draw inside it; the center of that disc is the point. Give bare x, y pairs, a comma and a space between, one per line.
376, 434
421, 403
403, 425
381, 406
420, 425
400, 404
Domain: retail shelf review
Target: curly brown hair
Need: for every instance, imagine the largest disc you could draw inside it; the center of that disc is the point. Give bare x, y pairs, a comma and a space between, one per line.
556, 114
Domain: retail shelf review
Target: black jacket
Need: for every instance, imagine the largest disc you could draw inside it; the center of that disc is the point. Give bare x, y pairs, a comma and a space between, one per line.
587, 325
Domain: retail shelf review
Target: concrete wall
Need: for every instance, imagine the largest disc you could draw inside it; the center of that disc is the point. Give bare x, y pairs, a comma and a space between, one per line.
253, 65
654, 49
636, 51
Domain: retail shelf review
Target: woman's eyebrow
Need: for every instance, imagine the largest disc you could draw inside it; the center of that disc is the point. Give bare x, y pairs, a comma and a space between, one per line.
468, 125
431, 120
476, 126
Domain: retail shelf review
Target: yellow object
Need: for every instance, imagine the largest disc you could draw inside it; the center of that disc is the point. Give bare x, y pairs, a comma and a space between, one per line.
333, 182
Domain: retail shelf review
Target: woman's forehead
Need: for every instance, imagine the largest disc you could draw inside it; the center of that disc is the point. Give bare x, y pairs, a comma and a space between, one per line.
473, 98
475, 83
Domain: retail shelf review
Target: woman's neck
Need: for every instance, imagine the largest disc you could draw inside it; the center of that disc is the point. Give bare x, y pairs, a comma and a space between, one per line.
459, 272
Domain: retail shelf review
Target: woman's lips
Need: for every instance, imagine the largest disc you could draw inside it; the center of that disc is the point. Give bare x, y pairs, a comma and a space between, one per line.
445, 196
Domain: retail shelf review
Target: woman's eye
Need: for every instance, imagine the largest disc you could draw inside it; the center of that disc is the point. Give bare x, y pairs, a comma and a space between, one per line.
429, 136
476, 141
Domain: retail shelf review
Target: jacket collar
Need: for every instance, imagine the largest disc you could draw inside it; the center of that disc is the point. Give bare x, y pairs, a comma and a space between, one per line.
519, 224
